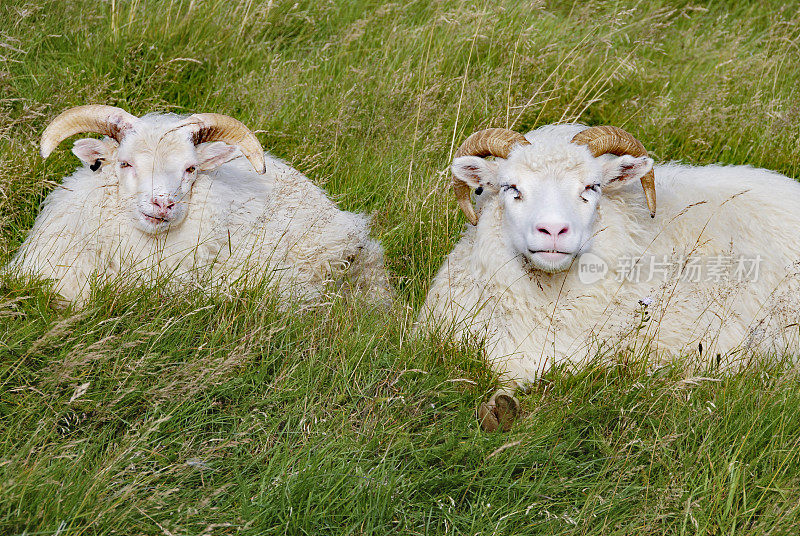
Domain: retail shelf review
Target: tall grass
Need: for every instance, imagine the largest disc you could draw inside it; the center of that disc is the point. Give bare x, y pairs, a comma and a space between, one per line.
143, 413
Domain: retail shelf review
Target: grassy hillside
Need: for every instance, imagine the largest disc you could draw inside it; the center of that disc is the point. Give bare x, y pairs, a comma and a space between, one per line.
141, 414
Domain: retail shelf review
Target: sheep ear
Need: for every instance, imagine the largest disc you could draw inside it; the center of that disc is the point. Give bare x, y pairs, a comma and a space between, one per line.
214, 154
94, 152
619, 170
476, 172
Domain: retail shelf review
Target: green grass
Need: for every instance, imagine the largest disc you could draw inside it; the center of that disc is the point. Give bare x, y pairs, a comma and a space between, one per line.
149, 413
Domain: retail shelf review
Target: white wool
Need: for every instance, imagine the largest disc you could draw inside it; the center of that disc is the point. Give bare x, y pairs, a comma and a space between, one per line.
238, 224
530, 320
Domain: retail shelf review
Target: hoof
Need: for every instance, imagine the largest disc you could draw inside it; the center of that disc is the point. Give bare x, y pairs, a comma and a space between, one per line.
500, 412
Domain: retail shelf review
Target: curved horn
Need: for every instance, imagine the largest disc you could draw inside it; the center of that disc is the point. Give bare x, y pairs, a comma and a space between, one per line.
614, 140
490, 142
99, 118
218, 127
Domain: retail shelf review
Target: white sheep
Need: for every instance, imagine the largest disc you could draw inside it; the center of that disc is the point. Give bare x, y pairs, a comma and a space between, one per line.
565, 261
172, 196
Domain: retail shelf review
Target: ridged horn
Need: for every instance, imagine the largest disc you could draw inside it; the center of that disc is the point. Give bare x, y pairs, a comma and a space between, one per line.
614, 140
98, 118
218, 127
490, 142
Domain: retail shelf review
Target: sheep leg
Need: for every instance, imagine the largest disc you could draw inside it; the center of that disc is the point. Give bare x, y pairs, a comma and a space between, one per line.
499, 412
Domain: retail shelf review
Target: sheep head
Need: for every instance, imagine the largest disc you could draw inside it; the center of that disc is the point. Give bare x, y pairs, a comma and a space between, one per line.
550, 189
156, 158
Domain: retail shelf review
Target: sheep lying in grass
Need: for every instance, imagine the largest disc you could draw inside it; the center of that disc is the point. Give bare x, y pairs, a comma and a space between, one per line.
168, 195
568, 260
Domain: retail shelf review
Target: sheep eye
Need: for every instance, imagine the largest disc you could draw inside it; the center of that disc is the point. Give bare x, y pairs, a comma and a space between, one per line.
590, 187
191, 169
124, 164
513, 189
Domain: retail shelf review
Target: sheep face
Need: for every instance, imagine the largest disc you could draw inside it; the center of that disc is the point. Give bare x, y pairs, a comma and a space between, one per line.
155, 164
549, 194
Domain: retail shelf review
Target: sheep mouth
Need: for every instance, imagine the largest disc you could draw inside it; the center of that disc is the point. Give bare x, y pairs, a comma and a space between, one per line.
534, 251
551, 255
153, 219
550, 259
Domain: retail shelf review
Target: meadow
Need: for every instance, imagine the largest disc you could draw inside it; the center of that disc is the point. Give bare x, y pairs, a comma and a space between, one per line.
149, 413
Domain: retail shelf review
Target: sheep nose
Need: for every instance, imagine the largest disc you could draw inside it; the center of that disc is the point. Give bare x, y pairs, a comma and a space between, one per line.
163, 204
552, 229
